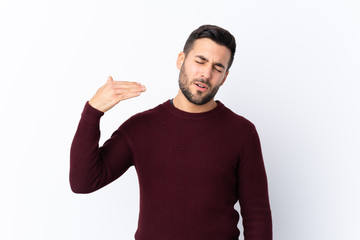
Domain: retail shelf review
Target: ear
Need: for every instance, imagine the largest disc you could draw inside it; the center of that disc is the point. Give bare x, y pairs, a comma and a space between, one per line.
224, 78
180, 60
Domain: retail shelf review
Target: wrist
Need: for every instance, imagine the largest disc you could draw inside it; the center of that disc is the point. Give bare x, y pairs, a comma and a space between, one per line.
96, 106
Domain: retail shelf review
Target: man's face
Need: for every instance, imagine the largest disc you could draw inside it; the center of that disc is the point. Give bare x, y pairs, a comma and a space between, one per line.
203, 70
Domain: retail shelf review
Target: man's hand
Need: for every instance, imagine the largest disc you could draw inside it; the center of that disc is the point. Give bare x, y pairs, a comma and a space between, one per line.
113, 92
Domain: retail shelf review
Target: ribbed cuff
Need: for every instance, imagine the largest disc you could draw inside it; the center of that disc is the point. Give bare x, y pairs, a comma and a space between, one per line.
91, 114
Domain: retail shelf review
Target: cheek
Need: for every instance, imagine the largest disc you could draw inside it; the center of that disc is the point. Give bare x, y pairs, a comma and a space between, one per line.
219, 79
192, 70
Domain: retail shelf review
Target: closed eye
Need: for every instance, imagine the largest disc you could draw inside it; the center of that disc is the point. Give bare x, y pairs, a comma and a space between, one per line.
202, 60
218, 70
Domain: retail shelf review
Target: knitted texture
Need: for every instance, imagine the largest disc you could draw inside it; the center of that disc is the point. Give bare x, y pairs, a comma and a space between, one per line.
192, 169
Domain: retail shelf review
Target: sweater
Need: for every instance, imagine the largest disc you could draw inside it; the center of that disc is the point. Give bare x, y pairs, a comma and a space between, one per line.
192, 169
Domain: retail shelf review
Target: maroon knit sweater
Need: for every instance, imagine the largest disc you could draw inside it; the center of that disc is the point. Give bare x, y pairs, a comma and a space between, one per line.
192, 169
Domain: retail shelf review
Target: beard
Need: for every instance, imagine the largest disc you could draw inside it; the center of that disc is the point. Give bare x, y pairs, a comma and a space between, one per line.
199, 98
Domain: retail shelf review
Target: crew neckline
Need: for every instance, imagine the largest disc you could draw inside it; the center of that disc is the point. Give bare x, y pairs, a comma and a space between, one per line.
180, 113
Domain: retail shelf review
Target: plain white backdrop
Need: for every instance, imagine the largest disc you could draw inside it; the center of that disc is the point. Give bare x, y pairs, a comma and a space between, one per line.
295, 76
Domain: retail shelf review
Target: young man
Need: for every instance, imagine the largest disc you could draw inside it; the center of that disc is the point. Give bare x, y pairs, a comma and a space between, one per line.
194, 157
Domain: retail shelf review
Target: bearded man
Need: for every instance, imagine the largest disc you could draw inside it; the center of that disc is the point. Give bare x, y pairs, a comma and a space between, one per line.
194, 157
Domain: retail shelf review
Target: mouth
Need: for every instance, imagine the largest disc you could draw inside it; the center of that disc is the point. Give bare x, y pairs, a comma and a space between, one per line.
201, 86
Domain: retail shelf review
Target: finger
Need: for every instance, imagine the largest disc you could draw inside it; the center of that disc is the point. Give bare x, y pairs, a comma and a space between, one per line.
120, 91
138, 87
110, 79
129, 95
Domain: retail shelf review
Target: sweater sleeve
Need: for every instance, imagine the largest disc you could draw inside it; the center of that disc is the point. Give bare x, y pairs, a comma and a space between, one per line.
253, 193
91, 166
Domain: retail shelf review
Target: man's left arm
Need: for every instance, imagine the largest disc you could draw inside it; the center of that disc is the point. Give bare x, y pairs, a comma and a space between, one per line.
253, 192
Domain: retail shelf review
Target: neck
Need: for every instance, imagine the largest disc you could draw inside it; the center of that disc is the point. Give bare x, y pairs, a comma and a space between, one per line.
181, 102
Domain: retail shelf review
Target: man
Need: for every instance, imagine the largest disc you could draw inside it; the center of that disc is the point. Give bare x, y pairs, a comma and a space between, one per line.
194, 157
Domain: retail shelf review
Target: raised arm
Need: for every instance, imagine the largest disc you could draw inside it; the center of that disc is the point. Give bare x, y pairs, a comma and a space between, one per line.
91, 166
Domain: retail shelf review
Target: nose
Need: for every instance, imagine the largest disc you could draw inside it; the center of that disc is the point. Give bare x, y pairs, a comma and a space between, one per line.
206, 73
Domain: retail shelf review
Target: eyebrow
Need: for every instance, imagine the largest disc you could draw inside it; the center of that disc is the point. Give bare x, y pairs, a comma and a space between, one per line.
207, 60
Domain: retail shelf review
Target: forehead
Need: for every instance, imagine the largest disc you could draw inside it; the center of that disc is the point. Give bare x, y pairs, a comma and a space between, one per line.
210, 50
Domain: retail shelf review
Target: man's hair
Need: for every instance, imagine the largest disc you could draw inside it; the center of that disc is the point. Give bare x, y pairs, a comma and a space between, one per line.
217, 34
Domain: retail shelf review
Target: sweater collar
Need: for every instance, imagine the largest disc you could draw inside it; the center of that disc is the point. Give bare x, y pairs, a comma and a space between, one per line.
180, 113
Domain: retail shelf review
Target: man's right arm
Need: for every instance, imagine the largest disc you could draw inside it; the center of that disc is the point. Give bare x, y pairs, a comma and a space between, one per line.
92, 167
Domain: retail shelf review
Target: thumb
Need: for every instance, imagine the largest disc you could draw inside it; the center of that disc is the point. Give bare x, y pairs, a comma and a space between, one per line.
110, 79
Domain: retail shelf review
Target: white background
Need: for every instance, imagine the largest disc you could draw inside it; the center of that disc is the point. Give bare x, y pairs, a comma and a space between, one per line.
295, 76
